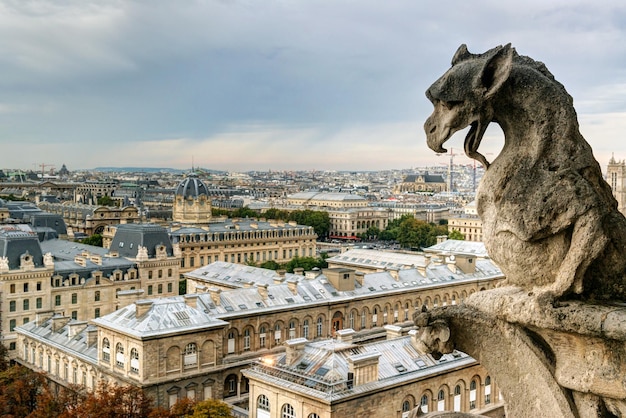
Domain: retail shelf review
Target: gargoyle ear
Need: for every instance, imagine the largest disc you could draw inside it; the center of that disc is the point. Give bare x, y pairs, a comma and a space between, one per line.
461, 54
497, 70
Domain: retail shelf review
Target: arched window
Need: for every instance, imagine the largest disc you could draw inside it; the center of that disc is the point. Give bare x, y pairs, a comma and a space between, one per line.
288, 411
190, 355
262, 337
313, 415
457, 398
424, 403
487, 390
119, 355
320, 324
246, 339
472, 395
292, 329
134, 360
441, 401
305, 328
277, 334
106, 350
263, 403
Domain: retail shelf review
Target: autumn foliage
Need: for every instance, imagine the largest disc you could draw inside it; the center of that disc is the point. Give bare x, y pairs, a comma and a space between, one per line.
24, 393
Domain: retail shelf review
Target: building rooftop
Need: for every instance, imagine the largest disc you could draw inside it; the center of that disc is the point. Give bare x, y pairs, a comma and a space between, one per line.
320, 369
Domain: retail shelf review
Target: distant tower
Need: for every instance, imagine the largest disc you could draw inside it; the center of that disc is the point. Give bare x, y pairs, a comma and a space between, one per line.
616, 177
192, 204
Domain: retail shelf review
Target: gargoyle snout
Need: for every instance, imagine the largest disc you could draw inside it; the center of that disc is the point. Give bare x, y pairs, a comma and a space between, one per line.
431, 128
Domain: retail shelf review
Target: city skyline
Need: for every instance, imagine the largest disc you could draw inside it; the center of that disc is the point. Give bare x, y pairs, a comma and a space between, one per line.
241, 86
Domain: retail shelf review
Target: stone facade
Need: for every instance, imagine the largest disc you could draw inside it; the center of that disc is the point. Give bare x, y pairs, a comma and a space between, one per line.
426, 183
75, 280
252, 314
91, 219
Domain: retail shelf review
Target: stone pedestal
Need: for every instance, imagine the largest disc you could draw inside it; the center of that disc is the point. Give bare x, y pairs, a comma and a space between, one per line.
565, 359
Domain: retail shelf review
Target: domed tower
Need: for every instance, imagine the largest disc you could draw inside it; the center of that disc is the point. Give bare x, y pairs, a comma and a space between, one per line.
192, 205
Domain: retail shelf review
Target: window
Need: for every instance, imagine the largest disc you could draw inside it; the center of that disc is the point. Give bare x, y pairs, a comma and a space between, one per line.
57, 300
305, 329
263, 403
313, 415
119, 355
288, 411
320, 323
12, 325
96, 313
277, 334
262, 337
487, 390
96, 296
74, 314
150, 274
160, 274
38, 303
246, 339
190, 355
472, 394
150, 289
74, 298
26, 304
441, 401
12, 289
25, 287
169, 288
106, 350
12, 306
406, 406
38, 285
160, 289
292, 330
134, 360
424, 404
25, 320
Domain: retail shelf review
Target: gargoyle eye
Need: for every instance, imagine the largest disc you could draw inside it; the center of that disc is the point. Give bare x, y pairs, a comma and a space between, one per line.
452, 103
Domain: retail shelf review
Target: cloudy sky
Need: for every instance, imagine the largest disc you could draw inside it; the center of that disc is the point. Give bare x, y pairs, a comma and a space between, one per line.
283, 85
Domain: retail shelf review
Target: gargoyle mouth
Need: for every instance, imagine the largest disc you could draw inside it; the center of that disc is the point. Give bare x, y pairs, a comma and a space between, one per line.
472, 142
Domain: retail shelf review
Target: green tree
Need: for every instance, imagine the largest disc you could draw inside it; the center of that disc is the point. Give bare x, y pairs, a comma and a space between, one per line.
270, 264
274, 213
106, 201
454, 234
307, 263
372, 232
319, 220
95, 239
245, 212
413, 233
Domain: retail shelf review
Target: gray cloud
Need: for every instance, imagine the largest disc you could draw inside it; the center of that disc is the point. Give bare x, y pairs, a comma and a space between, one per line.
91, 77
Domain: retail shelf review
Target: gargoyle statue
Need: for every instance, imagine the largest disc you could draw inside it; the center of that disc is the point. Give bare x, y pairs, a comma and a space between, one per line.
549, 218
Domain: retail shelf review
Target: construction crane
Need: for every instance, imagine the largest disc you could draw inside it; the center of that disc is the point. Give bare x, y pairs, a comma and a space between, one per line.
43, 168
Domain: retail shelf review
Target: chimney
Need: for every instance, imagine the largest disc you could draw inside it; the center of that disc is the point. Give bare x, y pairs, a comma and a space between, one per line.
42, 317
345, 335
80, 260
262, 288
96, 259
393, 331
74, 328
364, 368
215, 295
127, 297
281, 272
92, 335
451, 263
311, 274
142, 306
59, 321
441, 238
293, 286
467, 264
299, 271
191, 300
278, 279
359, 277
294, 348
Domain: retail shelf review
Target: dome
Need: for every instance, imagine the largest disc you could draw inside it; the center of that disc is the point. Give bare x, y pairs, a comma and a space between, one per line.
192, 187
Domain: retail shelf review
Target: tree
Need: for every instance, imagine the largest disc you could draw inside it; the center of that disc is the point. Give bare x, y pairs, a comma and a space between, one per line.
19, 388
109, 401
307, 263
95, 240
106, 201
274, 213
319, 220
413, 233
270, 264
212, 408
454, 234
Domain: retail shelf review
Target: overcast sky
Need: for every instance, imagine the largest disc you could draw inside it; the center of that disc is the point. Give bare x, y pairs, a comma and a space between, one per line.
284, 85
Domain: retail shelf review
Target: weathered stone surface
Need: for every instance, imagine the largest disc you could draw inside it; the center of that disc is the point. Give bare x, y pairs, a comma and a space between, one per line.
551, 224
549, 219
